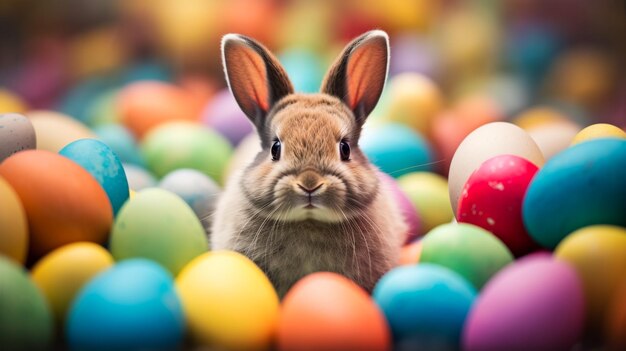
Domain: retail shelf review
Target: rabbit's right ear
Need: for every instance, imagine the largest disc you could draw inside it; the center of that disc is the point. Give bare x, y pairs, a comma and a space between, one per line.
254, 75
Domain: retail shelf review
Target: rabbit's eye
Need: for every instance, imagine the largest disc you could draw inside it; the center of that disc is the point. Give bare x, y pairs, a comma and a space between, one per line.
344, 150
276, 150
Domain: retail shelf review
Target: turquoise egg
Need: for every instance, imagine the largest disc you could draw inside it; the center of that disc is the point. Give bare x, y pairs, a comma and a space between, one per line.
305, 69
122, 142
396, 149
581, 186
425, 305
131, 306
103, 164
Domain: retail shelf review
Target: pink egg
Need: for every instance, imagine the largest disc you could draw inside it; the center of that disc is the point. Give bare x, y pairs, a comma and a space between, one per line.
224, 115
537, 303
492, 199
405, 205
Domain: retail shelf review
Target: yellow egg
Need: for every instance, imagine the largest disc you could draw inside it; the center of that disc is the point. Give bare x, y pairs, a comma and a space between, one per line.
55, 130
62, 273
10, 102
597, 131
598, 253
429, 194
13, 224
228, 301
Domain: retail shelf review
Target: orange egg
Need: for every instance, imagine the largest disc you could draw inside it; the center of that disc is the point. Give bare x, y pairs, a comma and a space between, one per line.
326, 311
62, 201
144, 105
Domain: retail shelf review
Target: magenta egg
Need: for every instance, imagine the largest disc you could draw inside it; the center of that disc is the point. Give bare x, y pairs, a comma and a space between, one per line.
224, 115
409, 212
536, 303
492, 199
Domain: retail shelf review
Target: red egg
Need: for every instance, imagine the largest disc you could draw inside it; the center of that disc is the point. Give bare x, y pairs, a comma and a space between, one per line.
492, 199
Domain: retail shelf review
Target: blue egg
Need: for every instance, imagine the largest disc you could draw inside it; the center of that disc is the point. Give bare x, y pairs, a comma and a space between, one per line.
122, 142
425, 305
580, 186
305, 69
396, 149
103, 164
131, 306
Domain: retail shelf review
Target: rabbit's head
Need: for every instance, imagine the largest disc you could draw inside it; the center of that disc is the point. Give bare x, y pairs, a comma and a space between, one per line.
310, 165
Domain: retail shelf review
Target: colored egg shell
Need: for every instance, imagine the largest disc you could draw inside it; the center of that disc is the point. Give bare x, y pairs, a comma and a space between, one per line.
598, 253
553, 138
13, 224
410, 253
104, 165
600, 130
186, 145
16, 134
229, 303
132, 305
158, 225
138, 177
487, 141
64, 271
78, 101
578, 187
55, 130
226, 117
429, 194
492, 199
11, 103
396, 149
326, 311
63, 202
122, 142
470, 251
535, 304
406, 207
425, 305
103, 110
25, 322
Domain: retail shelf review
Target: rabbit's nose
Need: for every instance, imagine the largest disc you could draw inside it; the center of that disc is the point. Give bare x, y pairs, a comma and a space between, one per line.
309, 182
309, 190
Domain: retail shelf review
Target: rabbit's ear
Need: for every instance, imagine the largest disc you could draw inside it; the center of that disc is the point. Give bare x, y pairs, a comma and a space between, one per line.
254, 75
358, 76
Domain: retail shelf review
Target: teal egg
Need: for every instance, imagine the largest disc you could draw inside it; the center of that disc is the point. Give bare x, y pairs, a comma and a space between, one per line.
103, 164
425, 305
305, 69
25, 319
79, 99
131, 306
581, 186
122, 142
396, 149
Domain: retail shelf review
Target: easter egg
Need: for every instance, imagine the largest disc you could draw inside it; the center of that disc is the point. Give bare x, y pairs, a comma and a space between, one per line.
103, 110
13, 224
78, 101
25, 322
597, 131
138, 177
160, 226
62, 201
470, 251
55, 130
554, 137
396, 149
578, 187
11, 103
598, 254
492, 199
429, 194
198, 190
16, 134
305, 69
410, 253
102, 163
229, 303
130, 306
414, 100
121, 141
327, 311
425, 306
537, 303
405, 205
413, 54
226, 117
487, 141
64, 271
186, 145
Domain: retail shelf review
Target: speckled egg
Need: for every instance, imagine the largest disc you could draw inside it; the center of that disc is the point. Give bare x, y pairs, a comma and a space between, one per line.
16, 134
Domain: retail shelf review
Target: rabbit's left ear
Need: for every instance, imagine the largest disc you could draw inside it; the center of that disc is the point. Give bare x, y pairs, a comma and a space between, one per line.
358, 76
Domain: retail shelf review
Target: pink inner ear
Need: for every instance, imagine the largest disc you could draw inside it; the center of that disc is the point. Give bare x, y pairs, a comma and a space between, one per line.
248, 77
363, 76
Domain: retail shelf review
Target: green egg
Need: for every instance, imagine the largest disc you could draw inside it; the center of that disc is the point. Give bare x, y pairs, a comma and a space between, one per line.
178, 145
158, 225
471, 251
25, 319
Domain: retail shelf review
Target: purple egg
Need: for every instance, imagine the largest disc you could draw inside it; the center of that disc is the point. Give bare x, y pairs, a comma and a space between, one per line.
411, 53
536, 303
224, 115
409, 212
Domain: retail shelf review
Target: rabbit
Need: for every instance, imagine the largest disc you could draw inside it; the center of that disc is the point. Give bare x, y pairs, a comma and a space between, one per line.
310, 200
